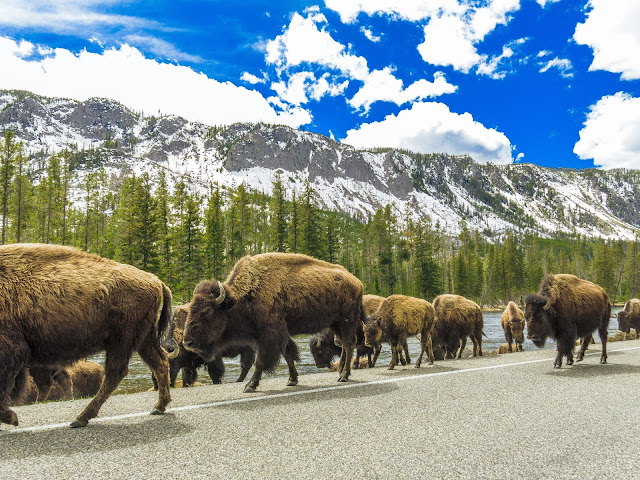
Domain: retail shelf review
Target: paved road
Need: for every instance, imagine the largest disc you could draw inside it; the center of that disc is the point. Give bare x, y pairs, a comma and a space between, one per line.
507, 416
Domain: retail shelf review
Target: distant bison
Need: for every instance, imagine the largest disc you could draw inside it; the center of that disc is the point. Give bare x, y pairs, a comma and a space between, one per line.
629, 317
81, 379
398, 317
189, 362
567, 308
456, 319
371, 305
267, 298
513, 325
59, 304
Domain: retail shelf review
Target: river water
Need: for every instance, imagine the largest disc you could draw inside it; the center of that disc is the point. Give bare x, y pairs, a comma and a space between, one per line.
139, 377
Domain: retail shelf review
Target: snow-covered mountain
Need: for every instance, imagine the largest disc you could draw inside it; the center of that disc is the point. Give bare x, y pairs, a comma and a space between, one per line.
445, 189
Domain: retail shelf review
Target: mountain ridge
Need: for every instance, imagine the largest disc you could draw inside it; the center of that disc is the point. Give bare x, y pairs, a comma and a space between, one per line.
443, 188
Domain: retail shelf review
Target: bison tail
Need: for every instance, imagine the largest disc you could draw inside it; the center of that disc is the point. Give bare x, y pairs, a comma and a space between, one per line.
165, 315
292, 350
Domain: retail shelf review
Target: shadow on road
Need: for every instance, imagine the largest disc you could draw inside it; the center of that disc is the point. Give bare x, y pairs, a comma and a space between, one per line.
96, 437
584, 370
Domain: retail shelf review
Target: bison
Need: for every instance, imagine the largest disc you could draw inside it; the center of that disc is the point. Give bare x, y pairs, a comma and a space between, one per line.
456, 319
567, 308
371, 305
398, 317
59, 304
629, 317
513, 325
189, 362
264, 300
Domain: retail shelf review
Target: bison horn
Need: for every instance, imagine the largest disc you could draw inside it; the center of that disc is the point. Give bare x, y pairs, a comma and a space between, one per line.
319, 343
547, 305
220, 298
174, 354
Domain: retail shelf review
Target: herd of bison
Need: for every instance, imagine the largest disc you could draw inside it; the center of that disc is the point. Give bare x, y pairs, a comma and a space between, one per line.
59, 305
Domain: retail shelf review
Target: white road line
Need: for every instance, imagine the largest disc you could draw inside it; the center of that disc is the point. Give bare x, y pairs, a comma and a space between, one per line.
258, 398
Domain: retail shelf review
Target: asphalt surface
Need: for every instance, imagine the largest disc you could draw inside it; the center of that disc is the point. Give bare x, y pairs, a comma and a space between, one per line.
495, 417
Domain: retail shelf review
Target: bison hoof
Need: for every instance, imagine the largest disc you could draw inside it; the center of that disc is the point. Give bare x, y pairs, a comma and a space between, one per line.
557, 366
79, 423
249, 389
10, 418
343, 379
292, 383
603, 362
156, 411
569, 362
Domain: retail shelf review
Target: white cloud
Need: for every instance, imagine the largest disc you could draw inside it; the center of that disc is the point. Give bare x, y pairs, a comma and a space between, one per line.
62, 16
381, 85
369, 34
305, 43
125, 75
543, 3
431, 127
611, 133
252, 79
611, 30
161, 48
453, 28
413, 10
563, 65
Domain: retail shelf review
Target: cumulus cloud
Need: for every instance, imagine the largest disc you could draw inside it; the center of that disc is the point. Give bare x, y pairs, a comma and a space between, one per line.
125, 75
305, 43
252, 79
431, 127
543, 3
369, 34
611, 30
453, 28
611, 133
381, 85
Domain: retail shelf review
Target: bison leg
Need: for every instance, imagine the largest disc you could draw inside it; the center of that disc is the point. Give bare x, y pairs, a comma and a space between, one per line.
216, 369
394, 356
602, 333
254, 381
116, 368
463, 343
376, 354
154, 356
405, 348
293, 373
585, 344
247, 357
347, 349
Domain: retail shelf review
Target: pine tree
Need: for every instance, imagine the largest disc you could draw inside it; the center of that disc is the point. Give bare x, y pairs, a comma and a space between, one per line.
294, 225
163, 218
309, 223
278, 216
214, 234
22, 200
632, 269
8, 152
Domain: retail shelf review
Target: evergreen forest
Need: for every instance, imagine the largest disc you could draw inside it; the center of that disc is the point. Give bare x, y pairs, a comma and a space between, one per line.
172, 229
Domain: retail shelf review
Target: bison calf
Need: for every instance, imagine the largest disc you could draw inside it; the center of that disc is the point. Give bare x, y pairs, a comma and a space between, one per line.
456, 319
629, 317
567, 308
513, 325
398, 317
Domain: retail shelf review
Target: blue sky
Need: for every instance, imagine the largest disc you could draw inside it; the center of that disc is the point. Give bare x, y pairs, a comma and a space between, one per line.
551, 82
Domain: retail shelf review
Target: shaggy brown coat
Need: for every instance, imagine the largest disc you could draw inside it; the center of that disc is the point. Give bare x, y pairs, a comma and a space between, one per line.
567, 308
456, 319
268, 297
189, 362
59, 304
513, 325
629, 317
398, 317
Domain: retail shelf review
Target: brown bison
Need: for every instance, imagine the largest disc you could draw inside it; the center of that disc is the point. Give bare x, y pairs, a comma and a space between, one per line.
398, 317
269, 297
567, 308
371, 305
59, 304
456, 319
629, 317
189, 362
513, 325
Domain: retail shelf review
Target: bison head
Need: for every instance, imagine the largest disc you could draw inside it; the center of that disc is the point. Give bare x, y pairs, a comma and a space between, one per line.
372, 333
323, 349
536, 315
623, 322
207, 319
517, 329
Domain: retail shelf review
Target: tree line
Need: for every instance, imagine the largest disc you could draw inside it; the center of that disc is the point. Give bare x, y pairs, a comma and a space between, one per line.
183, 235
